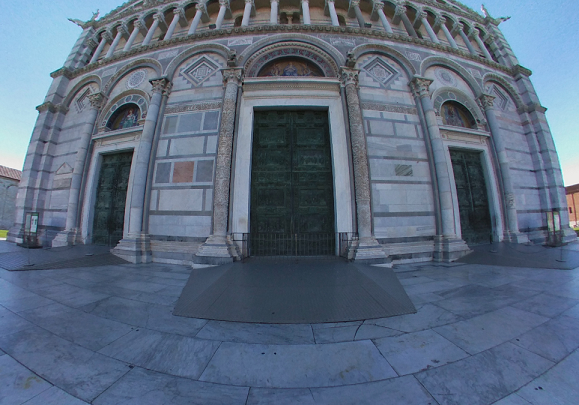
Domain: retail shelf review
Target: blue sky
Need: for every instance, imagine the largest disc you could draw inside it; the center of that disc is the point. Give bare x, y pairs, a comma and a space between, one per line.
35, 39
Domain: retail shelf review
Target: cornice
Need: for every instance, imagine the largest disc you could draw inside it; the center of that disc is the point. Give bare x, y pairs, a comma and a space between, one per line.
64, 71
306, 29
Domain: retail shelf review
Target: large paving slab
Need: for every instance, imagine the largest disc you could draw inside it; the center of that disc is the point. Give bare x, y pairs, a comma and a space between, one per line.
482, 334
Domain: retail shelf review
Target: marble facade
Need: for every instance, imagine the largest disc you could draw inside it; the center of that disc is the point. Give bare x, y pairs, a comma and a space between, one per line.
192, 68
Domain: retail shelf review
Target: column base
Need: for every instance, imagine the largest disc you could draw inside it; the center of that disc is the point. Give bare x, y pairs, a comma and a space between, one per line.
516, 237
135, 249
448, 249
216, 250
569, 235
369, 251
65, 238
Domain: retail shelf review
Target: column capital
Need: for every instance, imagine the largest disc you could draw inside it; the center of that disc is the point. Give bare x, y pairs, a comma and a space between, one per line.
46, 106
179, 11
123, 29
486, 101
377, 5
96, 100
354, 3
422, 14
224, 3
201, 7
349, 76
91, 43
419, 86
107, 36
160, 18
399, 10
457, 26
231, 75
249, 2
161, 85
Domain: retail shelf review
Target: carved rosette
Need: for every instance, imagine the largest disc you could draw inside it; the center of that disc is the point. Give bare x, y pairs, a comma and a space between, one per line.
486, 101
96, 100
231, 80
419, 86
359, 153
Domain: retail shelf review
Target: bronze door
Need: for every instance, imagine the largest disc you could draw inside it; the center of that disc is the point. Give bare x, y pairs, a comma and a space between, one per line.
109, 213
473, 203
292, 193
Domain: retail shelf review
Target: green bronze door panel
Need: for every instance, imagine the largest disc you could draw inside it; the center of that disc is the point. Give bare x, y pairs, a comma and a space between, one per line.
109, 213
471, 190
292, 195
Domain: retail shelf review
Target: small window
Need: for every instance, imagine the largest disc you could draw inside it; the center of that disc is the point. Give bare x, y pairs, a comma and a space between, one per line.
457, 115
125, 117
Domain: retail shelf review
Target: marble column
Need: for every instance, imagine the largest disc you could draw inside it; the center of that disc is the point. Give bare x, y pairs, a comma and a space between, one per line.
459, 28
400, 14
121, 32
476, 35
355, 5
138, 26
247, 13
178, 14
429, 30
221, 15
273, 11
158, 19
448, 246
105, 37
215, 250
368, 248
135, 246
68, 236
447, 33
198, 14
378, 8
497, 137
306, 12
333, 14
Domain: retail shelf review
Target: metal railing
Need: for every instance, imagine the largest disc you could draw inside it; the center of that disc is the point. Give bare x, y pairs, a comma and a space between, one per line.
305, 244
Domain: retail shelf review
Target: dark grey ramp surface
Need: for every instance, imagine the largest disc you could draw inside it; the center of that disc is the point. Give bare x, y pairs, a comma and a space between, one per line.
293, 291
530, 256
19, 258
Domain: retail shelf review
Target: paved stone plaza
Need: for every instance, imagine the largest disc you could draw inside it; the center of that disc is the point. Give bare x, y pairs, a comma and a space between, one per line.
106, 335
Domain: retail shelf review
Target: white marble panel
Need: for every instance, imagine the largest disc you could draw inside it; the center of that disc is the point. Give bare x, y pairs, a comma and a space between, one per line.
187, 146
181, 200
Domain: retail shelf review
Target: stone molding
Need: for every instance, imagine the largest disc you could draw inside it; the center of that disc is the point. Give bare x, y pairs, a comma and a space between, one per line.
64, 71
210, 105
256, 62
257, 84
53, 108
389, 108
463, 137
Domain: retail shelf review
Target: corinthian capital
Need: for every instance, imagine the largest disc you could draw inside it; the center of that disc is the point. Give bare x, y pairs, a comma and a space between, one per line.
354, 3
419, 86
96, 100
201, 7
159, 17
377, 5
223, 3
349, 76
161, 85
107, 36
400, 11
91, 43
231, 76
486, 101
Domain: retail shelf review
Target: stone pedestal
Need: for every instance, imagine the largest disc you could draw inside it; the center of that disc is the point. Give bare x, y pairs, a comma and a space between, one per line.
369, 251
65, 238
134, 248
449, 249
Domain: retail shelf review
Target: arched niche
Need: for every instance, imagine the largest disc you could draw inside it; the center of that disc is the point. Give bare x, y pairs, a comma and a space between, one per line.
290, 67
455, 114
126, 116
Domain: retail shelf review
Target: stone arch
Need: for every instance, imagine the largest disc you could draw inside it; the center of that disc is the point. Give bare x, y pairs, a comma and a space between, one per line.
511, 91
219, 49
169, 7
79, 86
334, 57
449, 17
458, 69
139, 63
133, 96
444, 94
386, 51
291, 48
